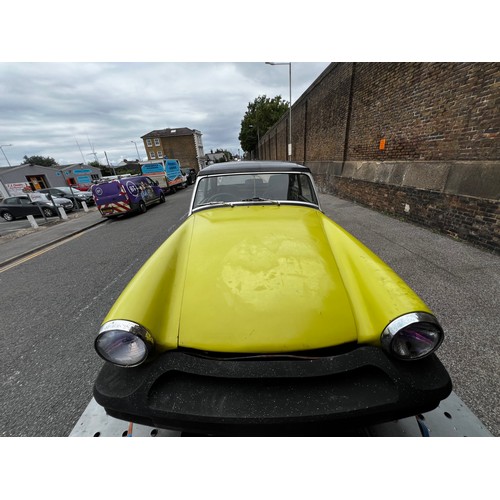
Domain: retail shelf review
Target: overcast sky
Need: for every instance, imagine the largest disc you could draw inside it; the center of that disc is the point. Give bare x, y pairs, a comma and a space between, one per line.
56, 109
47, 107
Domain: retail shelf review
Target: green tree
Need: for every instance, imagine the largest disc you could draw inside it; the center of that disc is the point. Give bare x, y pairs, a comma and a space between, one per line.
40, 160
227, 156
260, 116
105, 170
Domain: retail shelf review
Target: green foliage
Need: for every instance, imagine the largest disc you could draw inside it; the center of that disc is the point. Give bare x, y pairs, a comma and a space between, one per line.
40, 160
227, 156
105, 170
260, 116
129, 169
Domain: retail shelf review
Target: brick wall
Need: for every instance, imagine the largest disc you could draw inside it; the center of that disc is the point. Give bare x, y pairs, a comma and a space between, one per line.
441, 127
471, 219
425, 111
182, 148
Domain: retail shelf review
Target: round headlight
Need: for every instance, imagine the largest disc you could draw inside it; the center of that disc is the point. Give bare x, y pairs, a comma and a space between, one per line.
412, 336
123, 343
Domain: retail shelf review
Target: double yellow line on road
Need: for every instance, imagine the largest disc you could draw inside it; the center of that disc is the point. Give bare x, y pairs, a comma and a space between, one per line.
39, 252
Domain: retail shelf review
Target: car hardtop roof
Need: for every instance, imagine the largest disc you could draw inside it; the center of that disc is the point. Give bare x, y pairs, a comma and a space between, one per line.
120, 179
243, 167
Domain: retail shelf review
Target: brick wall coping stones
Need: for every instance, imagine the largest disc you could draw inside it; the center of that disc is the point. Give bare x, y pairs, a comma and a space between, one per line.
480, 179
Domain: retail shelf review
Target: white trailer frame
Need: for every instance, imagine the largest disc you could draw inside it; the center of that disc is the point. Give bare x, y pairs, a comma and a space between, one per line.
452, 418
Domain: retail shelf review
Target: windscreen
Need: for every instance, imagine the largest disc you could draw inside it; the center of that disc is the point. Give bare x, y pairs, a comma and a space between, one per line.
245, 188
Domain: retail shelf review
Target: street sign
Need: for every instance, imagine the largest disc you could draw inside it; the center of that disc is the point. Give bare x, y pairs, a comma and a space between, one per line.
36, 197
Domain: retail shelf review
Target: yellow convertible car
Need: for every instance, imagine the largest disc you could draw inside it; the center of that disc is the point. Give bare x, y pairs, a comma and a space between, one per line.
260, 315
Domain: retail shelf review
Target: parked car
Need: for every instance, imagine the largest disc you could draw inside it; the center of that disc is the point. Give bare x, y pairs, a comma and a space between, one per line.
260, 315
190, 174
130, 194
75, 195
21, 206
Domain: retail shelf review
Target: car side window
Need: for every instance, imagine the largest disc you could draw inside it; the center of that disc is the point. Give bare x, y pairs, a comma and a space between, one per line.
306, 192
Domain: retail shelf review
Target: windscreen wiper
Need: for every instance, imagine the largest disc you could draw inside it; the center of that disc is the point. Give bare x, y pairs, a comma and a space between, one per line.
257, 198
216, 203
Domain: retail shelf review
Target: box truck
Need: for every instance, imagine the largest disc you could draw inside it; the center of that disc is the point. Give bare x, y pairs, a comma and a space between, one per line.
166, 172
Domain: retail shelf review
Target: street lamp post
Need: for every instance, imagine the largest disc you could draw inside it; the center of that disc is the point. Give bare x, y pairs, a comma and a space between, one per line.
4, 146
289, 64
138, 155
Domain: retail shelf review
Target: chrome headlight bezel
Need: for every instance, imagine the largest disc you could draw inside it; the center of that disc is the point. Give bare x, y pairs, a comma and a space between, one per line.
123, 332
426, 329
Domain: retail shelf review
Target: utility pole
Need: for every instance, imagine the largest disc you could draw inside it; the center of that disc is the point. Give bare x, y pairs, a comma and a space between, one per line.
4, 146
80, 150
138, 155
110, 166
289, 64
93, 150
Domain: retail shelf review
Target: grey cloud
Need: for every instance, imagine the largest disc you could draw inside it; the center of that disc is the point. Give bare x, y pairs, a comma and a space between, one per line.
47, 107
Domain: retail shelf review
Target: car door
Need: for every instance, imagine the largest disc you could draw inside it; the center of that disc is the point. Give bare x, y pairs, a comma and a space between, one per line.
29, 207
147, 192
21, 206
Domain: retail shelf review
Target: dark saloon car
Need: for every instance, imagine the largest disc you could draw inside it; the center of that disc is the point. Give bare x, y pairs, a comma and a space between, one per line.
190, 174
21, 206
75, 195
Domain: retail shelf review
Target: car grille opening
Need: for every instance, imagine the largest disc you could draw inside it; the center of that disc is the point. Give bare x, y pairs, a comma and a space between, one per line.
306, 355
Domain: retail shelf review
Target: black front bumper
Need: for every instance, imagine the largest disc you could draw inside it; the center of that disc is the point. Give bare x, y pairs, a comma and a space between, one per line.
182, 391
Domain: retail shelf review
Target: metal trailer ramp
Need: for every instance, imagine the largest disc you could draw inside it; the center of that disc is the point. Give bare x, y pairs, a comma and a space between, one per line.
452, 418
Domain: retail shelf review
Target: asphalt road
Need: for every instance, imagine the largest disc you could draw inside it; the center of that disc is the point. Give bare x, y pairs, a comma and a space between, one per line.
52, 308
54, 303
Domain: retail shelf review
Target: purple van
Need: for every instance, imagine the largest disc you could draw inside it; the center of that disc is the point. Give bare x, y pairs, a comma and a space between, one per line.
129, 194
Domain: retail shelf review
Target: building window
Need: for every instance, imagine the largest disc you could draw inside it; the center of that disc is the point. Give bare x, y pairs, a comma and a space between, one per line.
152, 155
157, 142
37, 182
148, 142
159, 154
